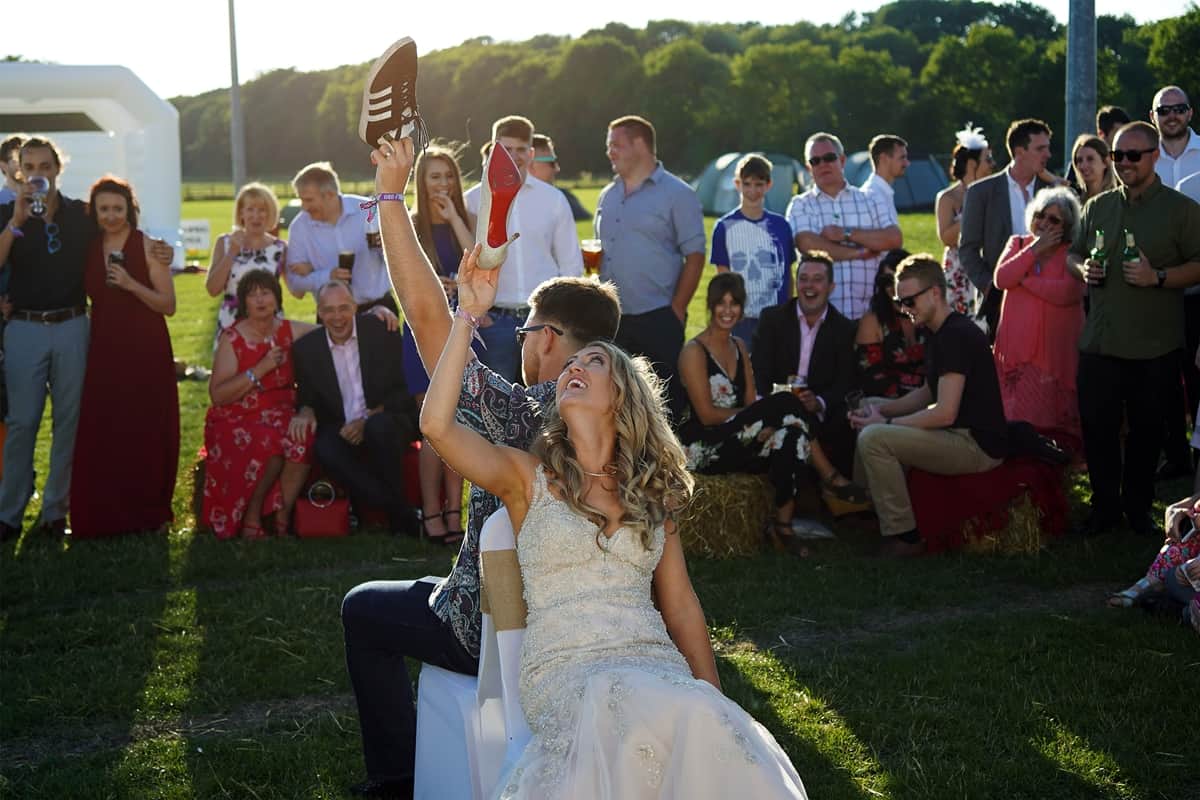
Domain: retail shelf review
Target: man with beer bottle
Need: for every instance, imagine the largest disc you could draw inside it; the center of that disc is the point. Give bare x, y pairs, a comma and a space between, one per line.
1149, 254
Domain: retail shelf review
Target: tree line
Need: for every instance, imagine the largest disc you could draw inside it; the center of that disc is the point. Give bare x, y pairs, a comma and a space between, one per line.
919, 68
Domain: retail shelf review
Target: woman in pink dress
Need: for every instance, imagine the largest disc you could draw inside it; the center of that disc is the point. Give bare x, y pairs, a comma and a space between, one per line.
1041, 320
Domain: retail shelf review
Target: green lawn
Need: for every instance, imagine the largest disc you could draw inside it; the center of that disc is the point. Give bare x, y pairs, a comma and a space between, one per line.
181, 667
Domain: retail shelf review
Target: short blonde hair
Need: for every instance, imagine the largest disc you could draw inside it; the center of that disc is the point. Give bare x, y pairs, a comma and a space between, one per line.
256, 191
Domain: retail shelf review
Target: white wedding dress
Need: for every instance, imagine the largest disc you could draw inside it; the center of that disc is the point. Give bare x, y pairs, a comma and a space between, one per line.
613, 707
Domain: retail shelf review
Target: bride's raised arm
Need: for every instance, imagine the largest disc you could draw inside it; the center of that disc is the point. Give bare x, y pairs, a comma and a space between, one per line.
503, 471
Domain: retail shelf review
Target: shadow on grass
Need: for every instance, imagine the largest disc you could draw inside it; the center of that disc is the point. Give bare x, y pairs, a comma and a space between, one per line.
83, 629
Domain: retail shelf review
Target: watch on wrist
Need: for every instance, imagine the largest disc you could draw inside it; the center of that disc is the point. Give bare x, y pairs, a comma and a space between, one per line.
1162, 277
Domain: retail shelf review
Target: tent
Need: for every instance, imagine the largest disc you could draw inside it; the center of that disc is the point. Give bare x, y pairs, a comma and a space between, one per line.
715, 184
106, 121
916, 190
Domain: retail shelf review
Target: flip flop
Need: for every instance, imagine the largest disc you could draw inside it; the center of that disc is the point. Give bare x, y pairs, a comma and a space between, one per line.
389, 103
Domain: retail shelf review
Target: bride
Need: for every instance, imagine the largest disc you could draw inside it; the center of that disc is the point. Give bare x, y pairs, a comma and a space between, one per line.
622, 696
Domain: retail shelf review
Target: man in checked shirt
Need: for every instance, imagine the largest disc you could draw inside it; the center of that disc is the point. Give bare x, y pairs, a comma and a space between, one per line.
853, 227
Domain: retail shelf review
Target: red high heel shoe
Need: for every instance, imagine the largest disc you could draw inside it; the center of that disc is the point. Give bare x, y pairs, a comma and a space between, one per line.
497, 191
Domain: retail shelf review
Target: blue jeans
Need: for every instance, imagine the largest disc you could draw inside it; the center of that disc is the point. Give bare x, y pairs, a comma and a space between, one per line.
503, 354
384, 621
38, 357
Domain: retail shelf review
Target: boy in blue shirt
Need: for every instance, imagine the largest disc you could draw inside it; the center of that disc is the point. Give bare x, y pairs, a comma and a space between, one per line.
756, 244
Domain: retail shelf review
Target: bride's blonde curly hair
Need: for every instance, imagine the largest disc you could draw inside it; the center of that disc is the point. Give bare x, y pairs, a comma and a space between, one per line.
649, 465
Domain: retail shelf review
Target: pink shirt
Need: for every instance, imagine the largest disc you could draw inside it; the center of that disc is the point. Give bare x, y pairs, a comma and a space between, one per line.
807, 337
349, 375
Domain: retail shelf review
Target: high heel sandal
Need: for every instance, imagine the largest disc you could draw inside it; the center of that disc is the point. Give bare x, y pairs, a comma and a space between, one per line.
497, 191
454, 535
784, 540
1135, 594
848, 498
439, 538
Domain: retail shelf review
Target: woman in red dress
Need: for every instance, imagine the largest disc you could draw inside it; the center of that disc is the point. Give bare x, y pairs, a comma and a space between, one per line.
253, 467
127, 448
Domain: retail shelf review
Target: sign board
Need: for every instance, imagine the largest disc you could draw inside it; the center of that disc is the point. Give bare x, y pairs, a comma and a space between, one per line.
195, 234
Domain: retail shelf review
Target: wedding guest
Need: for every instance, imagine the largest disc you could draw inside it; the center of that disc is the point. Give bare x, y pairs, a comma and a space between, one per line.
250, 245
724, 428
253, 467
970, 160
890, 347
1092, 166
1175, 570
130, 402
1036, 348
444, 229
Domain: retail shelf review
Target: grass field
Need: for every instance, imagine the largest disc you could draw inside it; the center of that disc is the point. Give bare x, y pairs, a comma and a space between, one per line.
180, 667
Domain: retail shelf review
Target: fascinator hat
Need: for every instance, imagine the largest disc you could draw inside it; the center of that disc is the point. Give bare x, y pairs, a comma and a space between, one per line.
970, 138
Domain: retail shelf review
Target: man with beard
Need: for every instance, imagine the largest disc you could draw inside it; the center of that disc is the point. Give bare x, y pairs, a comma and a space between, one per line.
1179, 146
1135, 327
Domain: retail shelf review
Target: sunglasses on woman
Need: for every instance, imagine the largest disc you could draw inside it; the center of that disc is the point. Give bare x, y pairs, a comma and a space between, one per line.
1134, 156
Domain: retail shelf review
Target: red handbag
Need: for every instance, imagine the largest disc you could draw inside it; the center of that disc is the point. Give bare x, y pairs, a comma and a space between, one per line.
322, 512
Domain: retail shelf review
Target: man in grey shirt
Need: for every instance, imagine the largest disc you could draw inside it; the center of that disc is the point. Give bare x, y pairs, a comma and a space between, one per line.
652, 229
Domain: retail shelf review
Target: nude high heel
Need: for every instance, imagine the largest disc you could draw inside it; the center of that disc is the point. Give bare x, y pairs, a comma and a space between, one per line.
497, 191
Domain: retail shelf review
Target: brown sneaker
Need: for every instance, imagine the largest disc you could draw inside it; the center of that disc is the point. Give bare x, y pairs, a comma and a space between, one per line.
389, 105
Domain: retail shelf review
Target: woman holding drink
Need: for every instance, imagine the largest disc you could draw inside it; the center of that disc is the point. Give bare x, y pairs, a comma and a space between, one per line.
250, 245
127, 448
444, 228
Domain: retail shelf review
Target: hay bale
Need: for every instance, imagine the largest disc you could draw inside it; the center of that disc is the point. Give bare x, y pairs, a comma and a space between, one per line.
726, 516
1022, 535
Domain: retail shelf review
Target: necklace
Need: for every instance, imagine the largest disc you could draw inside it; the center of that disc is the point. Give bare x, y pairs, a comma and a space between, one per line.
610, 471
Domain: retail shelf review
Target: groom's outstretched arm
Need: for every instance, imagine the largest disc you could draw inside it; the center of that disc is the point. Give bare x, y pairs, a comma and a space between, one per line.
417, 285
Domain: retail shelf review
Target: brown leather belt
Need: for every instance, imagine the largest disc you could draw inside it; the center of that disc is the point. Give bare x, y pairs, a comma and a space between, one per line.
51, 316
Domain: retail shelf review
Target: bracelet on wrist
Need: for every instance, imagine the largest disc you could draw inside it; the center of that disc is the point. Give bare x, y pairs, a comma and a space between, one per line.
473, 321
16, 232
253, 379
369, 205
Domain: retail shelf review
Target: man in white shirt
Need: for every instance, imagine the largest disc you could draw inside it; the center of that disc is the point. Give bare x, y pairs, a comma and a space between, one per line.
1178, 145
350, 387
548, 247
842, 220
889, 161
330, 224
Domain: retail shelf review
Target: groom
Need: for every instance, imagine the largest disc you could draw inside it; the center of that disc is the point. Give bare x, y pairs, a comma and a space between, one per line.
385, 621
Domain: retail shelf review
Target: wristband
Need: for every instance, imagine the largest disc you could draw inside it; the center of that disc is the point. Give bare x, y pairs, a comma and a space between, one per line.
473, 321
254, 379
16, 232
369, 206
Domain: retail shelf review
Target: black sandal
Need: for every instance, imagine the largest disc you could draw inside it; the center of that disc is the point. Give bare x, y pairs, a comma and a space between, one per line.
453, 535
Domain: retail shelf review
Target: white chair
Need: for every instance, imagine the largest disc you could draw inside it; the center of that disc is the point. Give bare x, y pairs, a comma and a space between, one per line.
468, 729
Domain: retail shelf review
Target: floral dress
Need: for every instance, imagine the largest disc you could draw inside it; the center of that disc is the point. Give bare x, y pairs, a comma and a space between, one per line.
962, 294
242, 436
734, 445
270, 258
891, 368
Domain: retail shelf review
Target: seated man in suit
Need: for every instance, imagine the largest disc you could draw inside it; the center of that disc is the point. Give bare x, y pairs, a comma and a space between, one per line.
350, 385
810, 339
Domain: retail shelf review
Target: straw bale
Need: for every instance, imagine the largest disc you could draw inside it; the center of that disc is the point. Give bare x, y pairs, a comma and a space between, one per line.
726, 516
1021, 536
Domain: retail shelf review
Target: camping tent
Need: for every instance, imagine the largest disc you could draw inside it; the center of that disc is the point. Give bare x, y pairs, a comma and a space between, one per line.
715, 184
106, 121
916, 190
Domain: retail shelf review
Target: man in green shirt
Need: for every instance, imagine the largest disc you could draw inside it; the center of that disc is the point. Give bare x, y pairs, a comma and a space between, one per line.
1134, 326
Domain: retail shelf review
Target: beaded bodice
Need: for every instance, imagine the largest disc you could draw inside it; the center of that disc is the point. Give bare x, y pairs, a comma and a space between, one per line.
588, 604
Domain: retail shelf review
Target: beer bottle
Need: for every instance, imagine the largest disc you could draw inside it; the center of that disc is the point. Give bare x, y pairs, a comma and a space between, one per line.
1130, 254
1097, 254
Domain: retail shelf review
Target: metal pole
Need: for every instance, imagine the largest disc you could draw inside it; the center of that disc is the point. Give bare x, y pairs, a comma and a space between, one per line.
1081, 73
237, 138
